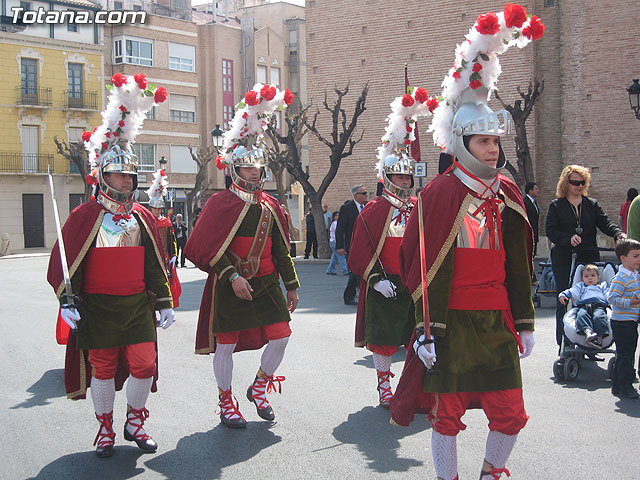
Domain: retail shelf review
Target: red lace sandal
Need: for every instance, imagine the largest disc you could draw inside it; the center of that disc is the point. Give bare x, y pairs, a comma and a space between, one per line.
496, 473
136, 419
384, 393
229, 409
106, 436
256, 394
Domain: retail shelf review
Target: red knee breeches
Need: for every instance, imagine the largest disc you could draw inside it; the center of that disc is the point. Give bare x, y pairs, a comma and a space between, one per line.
504, 409
141, 359
275, 331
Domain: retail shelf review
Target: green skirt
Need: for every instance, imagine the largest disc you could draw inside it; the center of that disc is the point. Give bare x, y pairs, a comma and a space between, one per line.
389, 322
115, 321
477, 354
232, 313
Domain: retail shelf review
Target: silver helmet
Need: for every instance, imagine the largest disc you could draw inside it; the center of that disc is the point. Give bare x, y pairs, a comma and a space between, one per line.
398, 163
473, 116
243, 157
118, 159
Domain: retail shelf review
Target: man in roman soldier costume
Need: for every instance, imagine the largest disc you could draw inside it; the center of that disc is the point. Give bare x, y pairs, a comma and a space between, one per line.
385, 317
156, 193
117, 272
242, 241
466, 259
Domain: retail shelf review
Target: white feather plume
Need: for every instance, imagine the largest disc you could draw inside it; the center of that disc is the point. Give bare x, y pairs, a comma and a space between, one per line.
158, 188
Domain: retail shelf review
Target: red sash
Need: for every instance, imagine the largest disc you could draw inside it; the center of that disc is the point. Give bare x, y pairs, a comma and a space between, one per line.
478, 283
114, 271
390, 255
240, 246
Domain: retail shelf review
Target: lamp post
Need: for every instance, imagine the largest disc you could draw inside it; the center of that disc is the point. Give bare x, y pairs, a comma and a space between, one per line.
634, 97
163, 162
216, 137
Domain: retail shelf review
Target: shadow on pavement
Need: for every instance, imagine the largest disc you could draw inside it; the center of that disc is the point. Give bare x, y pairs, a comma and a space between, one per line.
204, 455
50, 385
121, 466
370, 431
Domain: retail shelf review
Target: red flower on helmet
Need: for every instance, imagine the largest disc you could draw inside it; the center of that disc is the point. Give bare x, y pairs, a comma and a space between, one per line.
90, 179
268, 92
288, 97
477, 67
535, 29
141, 80
432, 103
456, 75
104, 145
407, 142
118, 79
475, 84
219, 163
488, 24
86, 136
121, 123
160, 95
421, 95
245, 115
107, 134
123, 108
514, 15
407, 100
251, 98
163, 173
409, 129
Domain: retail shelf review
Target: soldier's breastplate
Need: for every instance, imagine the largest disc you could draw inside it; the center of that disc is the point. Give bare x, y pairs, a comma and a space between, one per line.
118, 233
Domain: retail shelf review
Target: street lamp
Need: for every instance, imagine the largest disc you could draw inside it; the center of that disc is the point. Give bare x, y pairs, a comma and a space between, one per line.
216, 137
163, 162
634, 97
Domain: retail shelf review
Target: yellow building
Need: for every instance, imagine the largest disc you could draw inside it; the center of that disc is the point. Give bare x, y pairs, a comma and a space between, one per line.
52, 86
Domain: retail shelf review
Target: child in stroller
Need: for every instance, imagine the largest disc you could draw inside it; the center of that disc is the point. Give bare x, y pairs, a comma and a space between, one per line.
590, 298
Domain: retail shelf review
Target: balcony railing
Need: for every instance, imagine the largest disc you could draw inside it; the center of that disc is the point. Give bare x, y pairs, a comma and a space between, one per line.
34, 96
11, 162
84, 100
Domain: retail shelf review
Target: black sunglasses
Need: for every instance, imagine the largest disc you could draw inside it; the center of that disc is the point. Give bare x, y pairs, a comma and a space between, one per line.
362, 193
577, 183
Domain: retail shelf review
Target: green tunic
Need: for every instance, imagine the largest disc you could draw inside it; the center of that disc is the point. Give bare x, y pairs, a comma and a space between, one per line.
388, 322
268, 305
476, 352
117, 320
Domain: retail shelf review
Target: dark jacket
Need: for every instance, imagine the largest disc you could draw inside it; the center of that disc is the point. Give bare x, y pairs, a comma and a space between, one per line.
347, 219
311, 224
562, 221
533, 214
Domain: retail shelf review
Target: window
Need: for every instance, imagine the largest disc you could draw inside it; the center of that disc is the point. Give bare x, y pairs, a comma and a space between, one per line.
227, 116
75, 199
71, 27
137, 8
183, 108
75, 85
549, 3
25, 5
29, 81
182, 57
117, 5
293, 41
261, 74
275, 76
181, 160
151, 114
180, 4
146, 153
75, 135
227, 75
137, 52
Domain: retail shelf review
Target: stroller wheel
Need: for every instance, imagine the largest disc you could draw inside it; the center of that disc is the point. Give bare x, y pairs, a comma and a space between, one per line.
558, 368
571, 369
610, 366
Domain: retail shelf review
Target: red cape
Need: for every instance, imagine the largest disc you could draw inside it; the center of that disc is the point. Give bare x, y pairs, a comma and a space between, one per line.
78, 233
217, 224
442, 200
374, 218
174, 281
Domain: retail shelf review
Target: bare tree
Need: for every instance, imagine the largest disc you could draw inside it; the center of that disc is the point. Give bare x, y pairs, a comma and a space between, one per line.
520, 112
202, 158
76, 153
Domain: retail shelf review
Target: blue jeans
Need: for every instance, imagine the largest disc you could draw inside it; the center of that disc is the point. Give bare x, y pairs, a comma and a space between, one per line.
336, 257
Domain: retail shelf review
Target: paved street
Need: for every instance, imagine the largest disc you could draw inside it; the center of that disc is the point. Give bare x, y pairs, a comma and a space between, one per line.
328, 425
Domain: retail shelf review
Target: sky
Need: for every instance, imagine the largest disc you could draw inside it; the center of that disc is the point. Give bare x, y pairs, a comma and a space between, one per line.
295, 2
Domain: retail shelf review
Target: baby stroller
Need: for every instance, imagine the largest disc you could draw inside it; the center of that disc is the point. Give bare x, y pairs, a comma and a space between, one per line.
573, 350
546, 285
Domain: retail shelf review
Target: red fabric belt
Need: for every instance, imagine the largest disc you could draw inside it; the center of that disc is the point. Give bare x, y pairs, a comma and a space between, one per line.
114, 271
241, 246
390, 255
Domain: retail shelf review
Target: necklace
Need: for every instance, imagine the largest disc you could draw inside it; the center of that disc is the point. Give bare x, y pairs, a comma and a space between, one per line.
577, 211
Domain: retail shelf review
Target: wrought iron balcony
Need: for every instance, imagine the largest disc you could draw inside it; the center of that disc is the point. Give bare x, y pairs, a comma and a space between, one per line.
81, 100
40, 97
11, 162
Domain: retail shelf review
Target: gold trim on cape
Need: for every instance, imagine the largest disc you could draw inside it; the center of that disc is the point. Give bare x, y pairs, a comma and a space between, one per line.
380, 245
232, 234
211, 348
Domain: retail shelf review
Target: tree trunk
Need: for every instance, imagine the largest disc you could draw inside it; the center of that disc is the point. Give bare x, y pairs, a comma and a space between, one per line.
324, 250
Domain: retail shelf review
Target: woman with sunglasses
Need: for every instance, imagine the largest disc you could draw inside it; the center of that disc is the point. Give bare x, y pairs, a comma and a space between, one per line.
571, 224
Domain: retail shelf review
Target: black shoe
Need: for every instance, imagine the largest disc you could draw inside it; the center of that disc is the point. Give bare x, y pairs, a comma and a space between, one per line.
615, 391
104, 452
350, 302
329, 273
145, 443
629, 392
264, 413
594, 357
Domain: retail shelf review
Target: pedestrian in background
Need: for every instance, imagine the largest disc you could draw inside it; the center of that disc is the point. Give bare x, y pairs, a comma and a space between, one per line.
181, 237
624, 208
335, 256
328, 217
312, 239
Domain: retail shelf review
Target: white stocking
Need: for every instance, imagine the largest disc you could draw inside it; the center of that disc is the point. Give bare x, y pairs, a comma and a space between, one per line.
103, 394
138, 390
445, 455
273, 355
499, 448
223, 365
381, 362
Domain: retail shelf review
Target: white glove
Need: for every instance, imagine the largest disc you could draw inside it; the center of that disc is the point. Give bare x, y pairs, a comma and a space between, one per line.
426, 352
172, 262
70, 316
386, 288
166, 318
526, 338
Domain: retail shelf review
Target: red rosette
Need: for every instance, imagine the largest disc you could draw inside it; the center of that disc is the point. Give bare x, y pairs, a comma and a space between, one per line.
86, 136
407, 142
432, 103
268, 92
104, 145
163, 173
118, 79
219, 163
288, 96
251, 98
475, 84
409, 129
477, 67
407, 100
535, 30
421, 95
456, 75
514, 15
141, 80
122, 108
488, 24
121, 123
90, 179
160, 95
